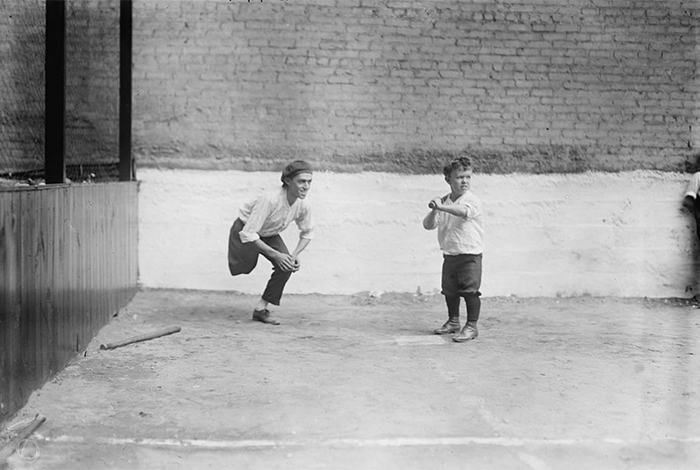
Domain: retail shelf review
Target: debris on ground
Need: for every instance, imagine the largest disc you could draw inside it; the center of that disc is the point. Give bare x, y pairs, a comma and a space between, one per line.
18, 441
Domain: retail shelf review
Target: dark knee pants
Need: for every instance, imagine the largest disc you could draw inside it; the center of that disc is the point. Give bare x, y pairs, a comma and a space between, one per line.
461, 278
461, 275
243, 257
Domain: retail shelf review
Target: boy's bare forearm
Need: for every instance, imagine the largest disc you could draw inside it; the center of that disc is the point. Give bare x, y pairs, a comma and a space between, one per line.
459, 211
430, 220
264, 248
283, 260
303, 243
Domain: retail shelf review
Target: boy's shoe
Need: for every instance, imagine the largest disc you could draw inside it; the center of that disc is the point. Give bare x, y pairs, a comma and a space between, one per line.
264, 317
448, 328
468, 333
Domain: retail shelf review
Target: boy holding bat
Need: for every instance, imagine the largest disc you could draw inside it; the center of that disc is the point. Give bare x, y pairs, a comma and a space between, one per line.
458, 220
257, 230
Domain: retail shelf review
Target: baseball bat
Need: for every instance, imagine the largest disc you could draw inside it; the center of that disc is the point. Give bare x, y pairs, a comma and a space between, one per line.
139, 338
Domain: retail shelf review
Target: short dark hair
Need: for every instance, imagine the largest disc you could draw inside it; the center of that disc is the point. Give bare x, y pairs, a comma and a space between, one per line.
459, 163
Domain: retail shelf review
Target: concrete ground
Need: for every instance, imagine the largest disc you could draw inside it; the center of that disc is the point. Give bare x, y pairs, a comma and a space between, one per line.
359, 382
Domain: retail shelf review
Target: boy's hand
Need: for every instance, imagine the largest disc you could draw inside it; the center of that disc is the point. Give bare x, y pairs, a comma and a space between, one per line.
286, 262
435, 203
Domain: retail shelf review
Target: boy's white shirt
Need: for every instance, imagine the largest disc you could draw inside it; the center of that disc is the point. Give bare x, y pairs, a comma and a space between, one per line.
461, 235
270, 214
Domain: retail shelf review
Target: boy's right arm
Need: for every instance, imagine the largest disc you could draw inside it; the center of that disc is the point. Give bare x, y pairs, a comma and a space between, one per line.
253, 225
430, 220
285, 261
691, 192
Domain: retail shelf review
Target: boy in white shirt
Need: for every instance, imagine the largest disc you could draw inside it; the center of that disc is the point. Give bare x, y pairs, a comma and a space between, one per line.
257, 231
458, 218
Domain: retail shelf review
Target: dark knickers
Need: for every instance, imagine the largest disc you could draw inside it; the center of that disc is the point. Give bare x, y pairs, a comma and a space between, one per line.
461, 275
243, 257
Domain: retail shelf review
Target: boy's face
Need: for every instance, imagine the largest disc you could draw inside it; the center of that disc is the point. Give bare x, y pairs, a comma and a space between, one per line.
299, 186
460, 181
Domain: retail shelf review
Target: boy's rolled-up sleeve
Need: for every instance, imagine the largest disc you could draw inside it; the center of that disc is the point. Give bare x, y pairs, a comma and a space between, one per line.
305, 224
693, 186
254, 224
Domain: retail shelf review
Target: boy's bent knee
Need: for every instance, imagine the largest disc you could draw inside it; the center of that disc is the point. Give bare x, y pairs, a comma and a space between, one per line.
468, 295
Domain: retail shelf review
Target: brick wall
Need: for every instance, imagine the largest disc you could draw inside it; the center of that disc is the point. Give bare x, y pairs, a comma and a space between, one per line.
22, 26
92, 83
526, 85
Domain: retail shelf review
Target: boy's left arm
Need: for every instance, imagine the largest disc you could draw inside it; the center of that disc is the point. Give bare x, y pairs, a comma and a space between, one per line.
461, 210
466, 210
306, 226
301, 245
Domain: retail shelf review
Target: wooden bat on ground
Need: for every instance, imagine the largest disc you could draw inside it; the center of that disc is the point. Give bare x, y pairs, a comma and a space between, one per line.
139, 338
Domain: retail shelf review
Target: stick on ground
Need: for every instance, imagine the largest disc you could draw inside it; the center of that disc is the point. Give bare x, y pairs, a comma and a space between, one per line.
139, 338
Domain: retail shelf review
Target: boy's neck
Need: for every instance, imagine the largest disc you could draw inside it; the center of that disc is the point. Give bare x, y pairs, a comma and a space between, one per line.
455, 196
291, 198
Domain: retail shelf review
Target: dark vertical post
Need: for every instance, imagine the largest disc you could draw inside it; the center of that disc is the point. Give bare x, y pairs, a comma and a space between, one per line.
126, 161
55, 75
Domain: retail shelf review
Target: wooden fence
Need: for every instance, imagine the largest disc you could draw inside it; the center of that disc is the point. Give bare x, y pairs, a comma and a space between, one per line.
68, 262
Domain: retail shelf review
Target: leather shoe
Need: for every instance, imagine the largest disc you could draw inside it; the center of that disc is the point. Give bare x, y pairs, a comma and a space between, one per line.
448, 328
469, 332
264, 316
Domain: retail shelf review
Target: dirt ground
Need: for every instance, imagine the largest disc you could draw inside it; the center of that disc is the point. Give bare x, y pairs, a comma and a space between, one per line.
359, 382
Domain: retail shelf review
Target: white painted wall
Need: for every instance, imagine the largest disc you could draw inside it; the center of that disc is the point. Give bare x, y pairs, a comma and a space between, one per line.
598, 233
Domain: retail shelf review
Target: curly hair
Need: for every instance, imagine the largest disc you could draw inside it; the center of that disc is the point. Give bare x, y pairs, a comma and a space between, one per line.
459, 163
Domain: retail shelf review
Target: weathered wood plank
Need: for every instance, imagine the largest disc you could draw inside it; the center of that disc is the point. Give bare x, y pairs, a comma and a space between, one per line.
67, 263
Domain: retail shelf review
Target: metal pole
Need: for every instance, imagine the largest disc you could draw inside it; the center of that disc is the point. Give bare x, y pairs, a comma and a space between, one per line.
55, 120
126, 161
